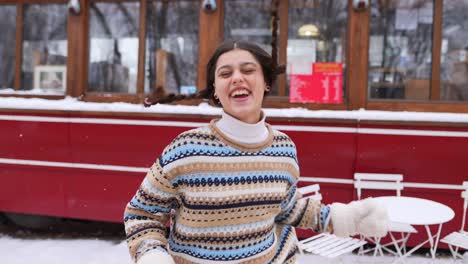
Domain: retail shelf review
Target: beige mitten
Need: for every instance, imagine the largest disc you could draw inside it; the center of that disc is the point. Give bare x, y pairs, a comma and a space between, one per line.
156, 257
365, 217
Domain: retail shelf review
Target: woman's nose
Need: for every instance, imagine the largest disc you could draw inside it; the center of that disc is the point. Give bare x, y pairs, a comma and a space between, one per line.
237, 77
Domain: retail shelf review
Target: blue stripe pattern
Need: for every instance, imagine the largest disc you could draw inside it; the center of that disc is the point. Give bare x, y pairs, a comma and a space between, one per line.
220, 253
225, 151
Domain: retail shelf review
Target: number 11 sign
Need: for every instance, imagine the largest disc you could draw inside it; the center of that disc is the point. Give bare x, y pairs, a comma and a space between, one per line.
323, 85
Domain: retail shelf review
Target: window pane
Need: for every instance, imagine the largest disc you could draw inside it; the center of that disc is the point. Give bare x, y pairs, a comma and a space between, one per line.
400, 49
113, 58
45, 44
251, 21
7, 45
172, 46
316, 51
454, 52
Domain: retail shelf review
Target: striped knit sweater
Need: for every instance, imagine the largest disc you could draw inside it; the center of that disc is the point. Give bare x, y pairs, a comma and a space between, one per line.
227, 202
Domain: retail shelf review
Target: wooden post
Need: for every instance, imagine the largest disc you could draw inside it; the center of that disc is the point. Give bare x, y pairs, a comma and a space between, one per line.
77, 62
161, 69
210, 35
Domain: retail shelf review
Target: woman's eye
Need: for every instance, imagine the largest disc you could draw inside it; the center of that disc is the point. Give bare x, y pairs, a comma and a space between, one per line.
248, 70
224, 74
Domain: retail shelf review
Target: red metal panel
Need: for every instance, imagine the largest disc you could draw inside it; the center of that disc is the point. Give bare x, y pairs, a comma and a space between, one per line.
326, 155
419, 158
127, 145
89, 191
427, 159
31, 189
100, 195
34, 140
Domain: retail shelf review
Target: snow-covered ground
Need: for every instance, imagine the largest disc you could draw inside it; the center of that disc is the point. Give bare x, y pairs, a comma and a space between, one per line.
97, 251
68, 241
62, 251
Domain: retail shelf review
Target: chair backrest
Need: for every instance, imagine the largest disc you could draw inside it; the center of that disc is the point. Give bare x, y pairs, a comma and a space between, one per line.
464, 195
311, 192
378, 181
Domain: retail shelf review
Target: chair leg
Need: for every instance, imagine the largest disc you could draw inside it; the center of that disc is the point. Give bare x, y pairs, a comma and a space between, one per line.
299, 246
363, 251
377, 246
399, 244
404, 239
397, 247
454, 252
361, 248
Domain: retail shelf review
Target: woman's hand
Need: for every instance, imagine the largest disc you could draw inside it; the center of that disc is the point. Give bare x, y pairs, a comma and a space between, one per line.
156, 257
365, 217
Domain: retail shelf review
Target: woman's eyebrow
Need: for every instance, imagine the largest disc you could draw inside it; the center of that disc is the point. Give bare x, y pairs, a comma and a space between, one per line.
224, 67
241, 64
248, 63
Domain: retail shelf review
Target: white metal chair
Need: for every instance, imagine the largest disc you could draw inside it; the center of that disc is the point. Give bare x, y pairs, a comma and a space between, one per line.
457, 240
325, 244
385, 181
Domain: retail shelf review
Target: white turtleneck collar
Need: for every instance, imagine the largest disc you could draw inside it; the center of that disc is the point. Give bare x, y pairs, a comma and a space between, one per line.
241, 131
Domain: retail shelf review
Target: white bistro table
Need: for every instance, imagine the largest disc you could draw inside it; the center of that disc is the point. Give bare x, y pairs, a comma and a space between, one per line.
417, 211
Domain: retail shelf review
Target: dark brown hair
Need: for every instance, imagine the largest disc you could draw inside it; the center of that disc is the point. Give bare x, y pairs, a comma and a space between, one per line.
268, 63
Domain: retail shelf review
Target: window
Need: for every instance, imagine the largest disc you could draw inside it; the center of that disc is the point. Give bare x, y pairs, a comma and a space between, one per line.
172, 46
316, 51
113, 48
400, 50
250, 21
454, 51
7, 45
44, 43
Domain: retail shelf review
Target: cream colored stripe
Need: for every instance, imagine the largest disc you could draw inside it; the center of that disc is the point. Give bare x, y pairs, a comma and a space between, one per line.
278, 197
365, 115
222, 239
226, 193
237, 187
219, 168
71, 165
229, 217
238, 161
131, 223
260, 225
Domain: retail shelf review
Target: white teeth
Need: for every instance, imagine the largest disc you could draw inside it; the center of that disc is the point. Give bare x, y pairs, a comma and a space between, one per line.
240, 92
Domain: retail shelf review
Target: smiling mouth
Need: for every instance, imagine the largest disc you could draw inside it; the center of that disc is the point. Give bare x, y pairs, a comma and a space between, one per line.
240, 93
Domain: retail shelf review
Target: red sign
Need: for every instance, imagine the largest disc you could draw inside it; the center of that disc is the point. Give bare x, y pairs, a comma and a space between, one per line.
324, 85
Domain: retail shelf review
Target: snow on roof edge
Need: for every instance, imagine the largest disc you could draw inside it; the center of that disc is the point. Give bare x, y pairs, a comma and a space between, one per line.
73, 104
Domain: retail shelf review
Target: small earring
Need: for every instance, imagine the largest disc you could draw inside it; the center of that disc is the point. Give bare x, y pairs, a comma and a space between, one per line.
267, 88
215, 96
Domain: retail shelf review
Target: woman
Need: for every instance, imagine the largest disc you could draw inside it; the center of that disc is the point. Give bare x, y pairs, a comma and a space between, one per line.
230, 187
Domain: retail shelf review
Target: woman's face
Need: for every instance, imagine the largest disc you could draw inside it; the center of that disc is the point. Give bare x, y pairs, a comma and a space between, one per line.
239, 85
